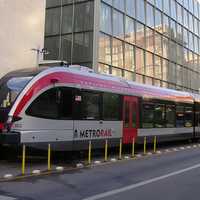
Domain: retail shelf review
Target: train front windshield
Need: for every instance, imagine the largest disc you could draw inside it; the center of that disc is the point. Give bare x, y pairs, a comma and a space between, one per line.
9, 90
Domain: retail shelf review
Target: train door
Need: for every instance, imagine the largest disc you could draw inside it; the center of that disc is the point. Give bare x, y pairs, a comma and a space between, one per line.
130, 118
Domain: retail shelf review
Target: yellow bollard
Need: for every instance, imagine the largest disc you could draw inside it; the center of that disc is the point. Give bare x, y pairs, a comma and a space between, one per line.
120, 149
23, 158
133, 147
154, 144
106, 151
145, 145
89, 152
49, 157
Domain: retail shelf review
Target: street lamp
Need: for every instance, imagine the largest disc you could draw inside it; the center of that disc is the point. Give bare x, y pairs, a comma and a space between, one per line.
39, 52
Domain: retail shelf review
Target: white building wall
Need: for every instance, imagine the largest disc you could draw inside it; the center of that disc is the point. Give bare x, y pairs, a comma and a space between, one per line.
21, 29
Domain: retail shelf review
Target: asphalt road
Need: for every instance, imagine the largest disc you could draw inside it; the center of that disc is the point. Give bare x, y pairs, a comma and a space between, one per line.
170, 176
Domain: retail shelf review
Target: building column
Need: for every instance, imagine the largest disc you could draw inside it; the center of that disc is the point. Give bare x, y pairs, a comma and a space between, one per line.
97, 4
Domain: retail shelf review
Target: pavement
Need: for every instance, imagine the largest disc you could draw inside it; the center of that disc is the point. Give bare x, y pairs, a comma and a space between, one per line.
168, 176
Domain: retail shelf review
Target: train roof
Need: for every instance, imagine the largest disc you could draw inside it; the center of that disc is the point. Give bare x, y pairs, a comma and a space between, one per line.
87, 78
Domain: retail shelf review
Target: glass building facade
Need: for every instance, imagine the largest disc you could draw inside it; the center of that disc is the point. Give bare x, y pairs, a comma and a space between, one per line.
154, 42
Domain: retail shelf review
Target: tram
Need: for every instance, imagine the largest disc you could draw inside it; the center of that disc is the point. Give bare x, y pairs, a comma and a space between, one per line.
68, 106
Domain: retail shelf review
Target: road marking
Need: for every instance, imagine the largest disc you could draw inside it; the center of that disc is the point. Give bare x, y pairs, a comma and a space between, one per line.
142, 183
6, 198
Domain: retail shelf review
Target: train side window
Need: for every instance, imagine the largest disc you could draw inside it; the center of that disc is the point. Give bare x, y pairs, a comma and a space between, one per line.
66, 103
111, 105
159, 116
147, 115
170, 116
179, 116
90, 106
188, 116
45, 106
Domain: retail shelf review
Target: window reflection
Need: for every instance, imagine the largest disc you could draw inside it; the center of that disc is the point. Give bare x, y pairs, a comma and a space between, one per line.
66, 47
165, 69
117, 53
130, 7
179, 14
157, 67
140, 37
166, 28
150, 15
52, 25
173, 29
158, 43
173, 9
129, 57
158, 4
139, 57
87, 10
165, 43
129, 75
104, 49
119, 4
149, 39
148, 80
179, 79
166, 7
82, 49
185, 18
170, 116
140, 10
105, 19
158, 21
116, 72
161, 34
103, 69
149, 64
67, 13
159, 116
118, 24
130, 30
172, 72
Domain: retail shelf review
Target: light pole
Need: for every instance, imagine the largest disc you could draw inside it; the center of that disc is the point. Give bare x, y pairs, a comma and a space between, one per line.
39, 52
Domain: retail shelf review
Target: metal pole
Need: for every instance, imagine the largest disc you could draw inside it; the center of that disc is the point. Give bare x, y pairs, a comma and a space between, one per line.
106, 151
89, 152
23, 158
133, 147
120, 149
154, 146
145, 145
49, 157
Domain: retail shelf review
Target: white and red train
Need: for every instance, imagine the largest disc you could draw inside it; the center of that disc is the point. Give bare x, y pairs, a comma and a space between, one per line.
68, 106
